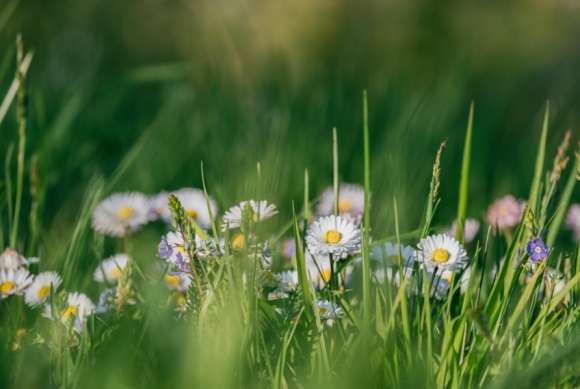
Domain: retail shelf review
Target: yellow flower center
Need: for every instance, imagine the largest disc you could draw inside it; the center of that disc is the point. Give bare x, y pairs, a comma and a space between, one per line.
115, 273
394, 258
322, 311
6, 287
238, 242
44, 291
255, 217
181, 249
192, 213
344, 206
172, 280
325, 275
440, 255
178, 299
71, 310
126, 212
332, 237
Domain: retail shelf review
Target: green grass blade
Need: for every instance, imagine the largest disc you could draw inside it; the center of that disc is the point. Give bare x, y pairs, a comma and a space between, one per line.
535, 189
211, 215
564, 200
464, 184
335, 169
303, 280
366, 265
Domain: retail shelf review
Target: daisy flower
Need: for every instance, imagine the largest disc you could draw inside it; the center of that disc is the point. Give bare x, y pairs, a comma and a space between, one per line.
178, 281
318, 270
262, 211
573, 220
39, 291
441, 251
193, 201
554, 280
111, 269
389, 254
122, 213
78, 307
505, 212
329, 310
159, 206
288, 280
470, 230
10, 259
14, 281
448, 277
333, 235
351, 201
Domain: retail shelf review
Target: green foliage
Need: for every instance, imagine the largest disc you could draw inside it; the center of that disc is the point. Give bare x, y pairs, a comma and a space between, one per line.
238, 324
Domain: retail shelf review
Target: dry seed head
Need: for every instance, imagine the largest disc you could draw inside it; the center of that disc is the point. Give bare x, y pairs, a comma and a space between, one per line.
437, 169
561, 159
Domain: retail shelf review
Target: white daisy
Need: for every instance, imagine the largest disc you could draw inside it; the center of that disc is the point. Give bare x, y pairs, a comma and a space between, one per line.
555, 280
14, 281
10, 259
178, 281
388, 254
262, 211
159, 206
329, 310
351, 201
193, 201
111, 269
318, 270
333, 235
443, 282
122, 213
470, 230
39, 290
441, 251
79, 306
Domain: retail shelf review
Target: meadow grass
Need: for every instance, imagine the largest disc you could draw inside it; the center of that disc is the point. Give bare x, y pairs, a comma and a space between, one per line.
388, 326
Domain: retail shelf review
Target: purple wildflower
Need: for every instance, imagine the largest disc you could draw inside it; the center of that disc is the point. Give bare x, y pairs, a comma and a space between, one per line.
180, 264
164, 249
537, 250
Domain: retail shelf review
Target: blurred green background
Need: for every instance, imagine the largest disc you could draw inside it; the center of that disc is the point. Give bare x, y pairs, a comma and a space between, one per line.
232, 83
155, 87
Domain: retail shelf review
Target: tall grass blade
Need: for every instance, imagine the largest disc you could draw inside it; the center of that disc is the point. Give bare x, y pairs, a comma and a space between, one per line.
366, 266
540, 156
464, 184
303, 280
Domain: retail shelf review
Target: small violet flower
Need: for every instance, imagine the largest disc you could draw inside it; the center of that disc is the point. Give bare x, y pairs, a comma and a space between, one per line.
164, 249
537, 250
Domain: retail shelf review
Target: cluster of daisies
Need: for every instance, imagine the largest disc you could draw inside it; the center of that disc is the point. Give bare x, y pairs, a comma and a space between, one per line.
331, 239
39, 290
